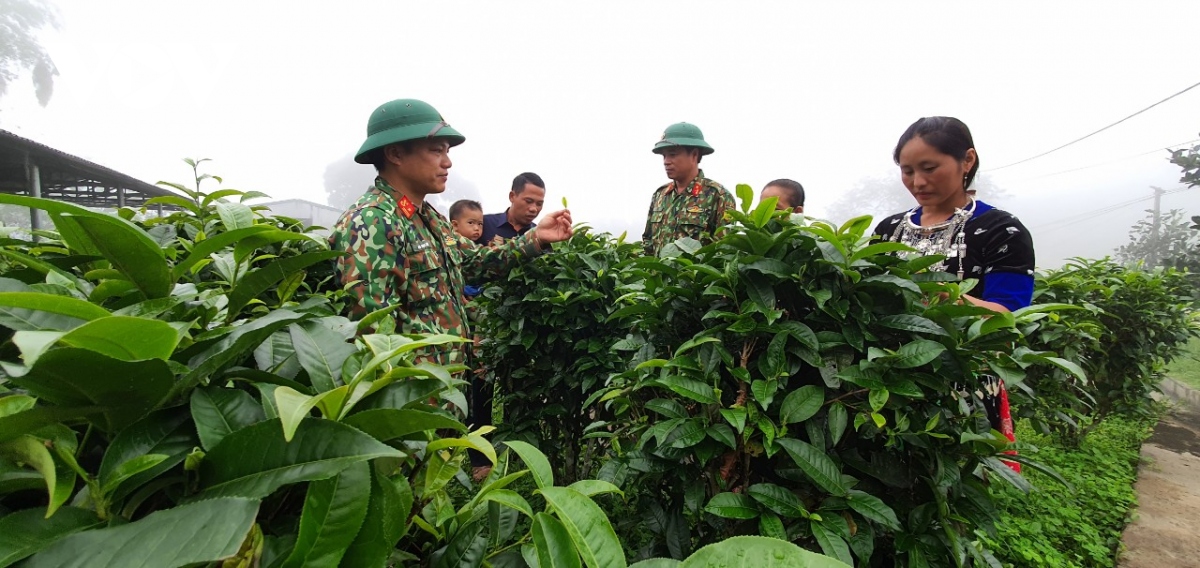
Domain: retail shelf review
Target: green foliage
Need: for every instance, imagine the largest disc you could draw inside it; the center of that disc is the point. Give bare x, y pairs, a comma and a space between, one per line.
1176, 244
1188, 160
790, 380
747, 552
1128, 324
1186, 367
549, 338
181, 389
795, 379
1078, 524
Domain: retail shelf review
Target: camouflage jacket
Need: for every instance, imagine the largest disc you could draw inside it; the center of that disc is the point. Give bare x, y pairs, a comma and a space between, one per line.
693, 211
409, 255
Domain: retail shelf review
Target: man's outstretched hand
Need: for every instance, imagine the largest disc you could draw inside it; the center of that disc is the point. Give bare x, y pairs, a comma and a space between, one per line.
555, 227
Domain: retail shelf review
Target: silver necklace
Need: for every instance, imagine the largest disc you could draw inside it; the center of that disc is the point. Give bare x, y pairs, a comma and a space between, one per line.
947, 238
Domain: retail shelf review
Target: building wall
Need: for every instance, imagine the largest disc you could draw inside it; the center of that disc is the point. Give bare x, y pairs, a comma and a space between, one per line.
307, 211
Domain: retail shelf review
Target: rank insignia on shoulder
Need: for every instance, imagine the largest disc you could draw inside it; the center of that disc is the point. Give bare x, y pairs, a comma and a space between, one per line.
407, 207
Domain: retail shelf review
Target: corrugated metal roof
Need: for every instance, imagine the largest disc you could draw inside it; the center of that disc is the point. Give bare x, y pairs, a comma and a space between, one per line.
66, 177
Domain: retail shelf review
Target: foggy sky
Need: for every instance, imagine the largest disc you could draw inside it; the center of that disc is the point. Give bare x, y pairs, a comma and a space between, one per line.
273, 92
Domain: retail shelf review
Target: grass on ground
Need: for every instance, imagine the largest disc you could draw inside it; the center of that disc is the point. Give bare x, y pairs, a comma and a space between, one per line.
1186, 368
1077, 527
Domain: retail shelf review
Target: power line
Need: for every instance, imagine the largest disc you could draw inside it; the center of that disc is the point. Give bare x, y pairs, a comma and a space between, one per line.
1082, 138
1089, 215
1104, 163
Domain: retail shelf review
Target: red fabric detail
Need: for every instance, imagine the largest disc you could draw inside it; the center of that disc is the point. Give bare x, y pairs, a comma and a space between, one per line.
407, 207
1006, 427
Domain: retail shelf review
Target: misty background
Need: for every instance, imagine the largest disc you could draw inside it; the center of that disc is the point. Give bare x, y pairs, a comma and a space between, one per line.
278, 95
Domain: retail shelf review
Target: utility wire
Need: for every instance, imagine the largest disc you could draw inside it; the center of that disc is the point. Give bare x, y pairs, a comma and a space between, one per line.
1082, 138
1089, 215
1104, 163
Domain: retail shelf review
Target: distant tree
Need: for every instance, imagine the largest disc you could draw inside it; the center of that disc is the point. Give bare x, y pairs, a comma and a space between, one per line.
20, 20
884, 194
1175, 245
346, 180
1188, 159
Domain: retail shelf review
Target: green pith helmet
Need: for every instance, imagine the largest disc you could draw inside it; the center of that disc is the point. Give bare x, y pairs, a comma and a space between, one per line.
402, 120
683, 134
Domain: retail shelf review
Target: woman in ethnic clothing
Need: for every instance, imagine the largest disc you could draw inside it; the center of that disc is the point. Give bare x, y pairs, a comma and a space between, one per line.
938, 162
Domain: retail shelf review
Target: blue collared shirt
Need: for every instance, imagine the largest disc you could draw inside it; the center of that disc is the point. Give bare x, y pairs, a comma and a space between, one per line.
497, 225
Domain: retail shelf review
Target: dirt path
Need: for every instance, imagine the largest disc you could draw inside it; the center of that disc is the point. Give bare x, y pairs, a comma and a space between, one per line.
1166, 529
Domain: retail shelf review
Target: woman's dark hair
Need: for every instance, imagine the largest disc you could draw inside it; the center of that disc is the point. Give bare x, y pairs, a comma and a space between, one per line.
948, 135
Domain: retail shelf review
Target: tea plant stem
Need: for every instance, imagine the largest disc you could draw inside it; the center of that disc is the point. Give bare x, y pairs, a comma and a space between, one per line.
851, 393
87, 434
509, 547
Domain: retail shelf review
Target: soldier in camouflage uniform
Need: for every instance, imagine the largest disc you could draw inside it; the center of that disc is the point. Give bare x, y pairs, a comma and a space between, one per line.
691, 205
401, 250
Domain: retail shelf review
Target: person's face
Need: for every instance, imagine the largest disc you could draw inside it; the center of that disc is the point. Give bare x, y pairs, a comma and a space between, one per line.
679, 161
527, 205
933, 178
782, 203
425, 167
469, 224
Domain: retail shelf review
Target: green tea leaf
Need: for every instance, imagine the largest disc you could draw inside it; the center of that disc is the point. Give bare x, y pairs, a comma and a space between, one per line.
801, 404
815, 464
223, 522
19, 302
125, 338
837, 423
386, 424
258, 281
536, 461
33, 453
128, 248
732, 506
256, 460
758, 551
125, 391
555, 548
917, 353
385, 522
166, 432
873, 508
321, 351
219, 412
778, 499
334, 510
26, 532
589, 528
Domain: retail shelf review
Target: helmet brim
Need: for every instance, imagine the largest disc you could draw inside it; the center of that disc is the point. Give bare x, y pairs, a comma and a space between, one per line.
697, 143
439, 130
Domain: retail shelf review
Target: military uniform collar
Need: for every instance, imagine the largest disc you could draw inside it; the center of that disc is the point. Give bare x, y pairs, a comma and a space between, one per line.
403, 204
695, 186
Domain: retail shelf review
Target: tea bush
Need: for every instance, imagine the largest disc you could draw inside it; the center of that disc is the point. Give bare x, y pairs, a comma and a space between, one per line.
797, 380
191, 373
182, 390
549, 343
1129, 324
